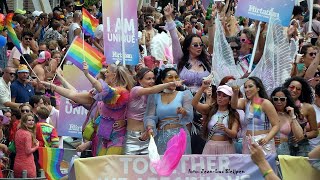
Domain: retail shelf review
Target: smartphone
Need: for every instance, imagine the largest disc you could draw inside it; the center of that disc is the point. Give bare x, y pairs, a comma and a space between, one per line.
300, 67
298, 58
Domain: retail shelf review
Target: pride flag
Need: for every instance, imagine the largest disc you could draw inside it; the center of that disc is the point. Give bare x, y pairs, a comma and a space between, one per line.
80, 51
11, 33
49, 160
89, 23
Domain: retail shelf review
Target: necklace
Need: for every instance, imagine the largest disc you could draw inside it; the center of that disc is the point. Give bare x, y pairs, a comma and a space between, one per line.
168, 91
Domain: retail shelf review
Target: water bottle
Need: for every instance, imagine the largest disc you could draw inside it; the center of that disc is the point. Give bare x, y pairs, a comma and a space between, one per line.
24, 174
209, 11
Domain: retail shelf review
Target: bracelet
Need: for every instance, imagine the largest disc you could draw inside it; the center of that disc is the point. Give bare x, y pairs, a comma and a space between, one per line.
267, 172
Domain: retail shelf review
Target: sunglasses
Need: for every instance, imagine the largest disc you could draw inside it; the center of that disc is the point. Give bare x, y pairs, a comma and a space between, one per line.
235, 47
90, 10
148, 22
193, 22
244, 40
197, 45
52, 49
294, 88
11, 74
71, 6
312, 54
28, 39
276, 99
25, 110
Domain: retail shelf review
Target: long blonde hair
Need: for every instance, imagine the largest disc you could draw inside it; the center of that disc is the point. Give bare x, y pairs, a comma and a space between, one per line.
23, 125
123, 77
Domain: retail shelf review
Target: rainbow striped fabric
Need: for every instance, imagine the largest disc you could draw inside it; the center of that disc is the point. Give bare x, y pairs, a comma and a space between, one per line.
257, 109
49, 160
11, 33
89, 23
2, 21
80, 51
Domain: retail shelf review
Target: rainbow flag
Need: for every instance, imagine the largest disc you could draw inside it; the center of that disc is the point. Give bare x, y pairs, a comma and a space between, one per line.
11, 33
89, 23
77, 54
2, 21
49, 160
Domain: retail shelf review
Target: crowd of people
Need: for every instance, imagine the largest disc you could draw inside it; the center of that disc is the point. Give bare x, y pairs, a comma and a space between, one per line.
159, 96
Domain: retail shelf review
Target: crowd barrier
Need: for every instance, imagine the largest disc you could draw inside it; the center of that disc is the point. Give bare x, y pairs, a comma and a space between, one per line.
191, 167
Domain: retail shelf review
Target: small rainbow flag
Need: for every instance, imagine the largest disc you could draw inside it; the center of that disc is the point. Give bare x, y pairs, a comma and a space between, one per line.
49, 160
89, 23
11, 33
77, 54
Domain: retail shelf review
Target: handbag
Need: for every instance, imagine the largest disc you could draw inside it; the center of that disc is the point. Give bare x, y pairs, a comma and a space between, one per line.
12, 147
88, 131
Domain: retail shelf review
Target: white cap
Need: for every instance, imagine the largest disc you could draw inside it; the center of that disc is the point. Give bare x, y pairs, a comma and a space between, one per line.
36, 13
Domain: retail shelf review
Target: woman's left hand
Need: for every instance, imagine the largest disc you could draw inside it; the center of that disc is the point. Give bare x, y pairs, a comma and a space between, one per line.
182, 111
221, 126
262, 141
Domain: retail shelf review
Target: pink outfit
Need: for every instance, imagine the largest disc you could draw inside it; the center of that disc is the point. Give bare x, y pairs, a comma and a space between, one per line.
137, 105
285, 130
219, 147
24, 159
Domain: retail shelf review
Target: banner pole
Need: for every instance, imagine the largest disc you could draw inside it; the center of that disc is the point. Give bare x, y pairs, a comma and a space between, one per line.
122, 34
254, 47
310, 18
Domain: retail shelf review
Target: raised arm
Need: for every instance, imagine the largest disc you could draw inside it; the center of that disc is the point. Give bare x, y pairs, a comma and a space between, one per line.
237, 103
171, 27
312, 68
80, 98
158, 88
294, 124
201, 108
95, 83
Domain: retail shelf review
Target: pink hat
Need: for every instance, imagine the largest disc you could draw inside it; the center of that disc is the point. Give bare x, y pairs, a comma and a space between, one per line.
44, 56
225, 89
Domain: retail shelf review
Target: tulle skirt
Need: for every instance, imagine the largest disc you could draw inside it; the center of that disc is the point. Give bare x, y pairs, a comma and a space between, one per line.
219, 147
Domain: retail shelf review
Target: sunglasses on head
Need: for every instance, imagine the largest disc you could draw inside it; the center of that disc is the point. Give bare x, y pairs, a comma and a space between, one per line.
312, 54
244, 40
197, 45
276, 99
25, 110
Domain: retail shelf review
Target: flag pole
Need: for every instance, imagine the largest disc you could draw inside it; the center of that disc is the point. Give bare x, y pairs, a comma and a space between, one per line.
122, 34
310, 18
64, 57
254, 47
29, 66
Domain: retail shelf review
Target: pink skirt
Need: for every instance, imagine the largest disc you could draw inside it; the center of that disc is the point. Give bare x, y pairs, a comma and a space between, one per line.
219, 147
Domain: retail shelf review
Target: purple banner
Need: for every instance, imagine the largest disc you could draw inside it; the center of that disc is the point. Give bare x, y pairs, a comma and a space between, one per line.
115, 35
262, 9
71, 119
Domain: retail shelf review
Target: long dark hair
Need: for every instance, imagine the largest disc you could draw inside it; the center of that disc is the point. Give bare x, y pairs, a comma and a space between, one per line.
186, 55
262, 91
161, 74
306, 91
290, 101
233, 117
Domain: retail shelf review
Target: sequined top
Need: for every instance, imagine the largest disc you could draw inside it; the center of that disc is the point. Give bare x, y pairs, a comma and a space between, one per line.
137, 104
